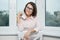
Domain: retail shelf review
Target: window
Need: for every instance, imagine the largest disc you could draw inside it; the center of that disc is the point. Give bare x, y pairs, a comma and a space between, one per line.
10, 7
52, 15
4, 13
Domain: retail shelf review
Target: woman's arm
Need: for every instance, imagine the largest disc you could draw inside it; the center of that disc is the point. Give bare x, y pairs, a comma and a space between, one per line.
28, 33
31, 31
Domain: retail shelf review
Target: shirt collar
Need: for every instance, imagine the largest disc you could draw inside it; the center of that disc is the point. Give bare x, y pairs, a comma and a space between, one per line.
24, 17
30, 17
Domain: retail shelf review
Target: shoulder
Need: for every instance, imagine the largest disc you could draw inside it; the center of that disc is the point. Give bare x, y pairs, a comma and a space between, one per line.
35, 19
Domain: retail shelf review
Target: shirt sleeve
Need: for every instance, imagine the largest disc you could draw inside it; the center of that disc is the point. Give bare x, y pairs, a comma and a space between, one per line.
20, 26
38, 27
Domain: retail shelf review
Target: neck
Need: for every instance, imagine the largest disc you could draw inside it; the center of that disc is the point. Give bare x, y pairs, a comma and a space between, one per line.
28, 17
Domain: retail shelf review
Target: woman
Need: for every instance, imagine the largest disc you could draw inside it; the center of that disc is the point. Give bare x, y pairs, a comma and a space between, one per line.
28, 26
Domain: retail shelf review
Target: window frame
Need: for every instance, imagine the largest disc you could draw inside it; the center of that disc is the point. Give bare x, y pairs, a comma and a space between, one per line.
50, 30
11, 29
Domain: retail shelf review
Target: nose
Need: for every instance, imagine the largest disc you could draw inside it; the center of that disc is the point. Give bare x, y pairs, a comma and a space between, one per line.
28, 10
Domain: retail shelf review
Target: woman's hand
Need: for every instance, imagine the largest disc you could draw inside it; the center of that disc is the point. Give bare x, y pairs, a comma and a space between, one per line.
19, 14
18, 17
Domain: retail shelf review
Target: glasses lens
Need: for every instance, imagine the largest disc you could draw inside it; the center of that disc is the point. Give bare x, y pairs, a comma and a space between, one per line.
30, 8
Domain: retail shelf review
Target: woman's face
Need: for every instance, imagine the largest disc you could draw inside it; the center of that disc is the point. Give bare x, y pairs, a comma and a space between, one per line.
29, 10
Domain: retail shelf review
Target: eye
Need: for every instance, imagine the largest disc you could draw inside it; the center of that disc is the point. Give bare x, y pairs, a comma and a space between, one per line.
30, 8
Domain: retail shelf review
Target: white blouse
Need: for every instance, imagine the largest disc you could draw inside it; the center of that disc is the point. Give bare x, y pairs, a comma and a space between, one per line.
28, 24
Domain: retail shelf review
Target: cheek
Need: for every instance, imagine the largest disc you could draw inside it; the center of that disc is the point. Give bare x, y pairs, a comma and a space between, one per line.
26, 11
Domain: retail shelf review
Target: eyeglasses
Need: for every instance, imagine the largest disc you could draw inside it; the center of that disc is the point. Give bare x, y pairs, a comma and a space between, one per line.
29, 8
